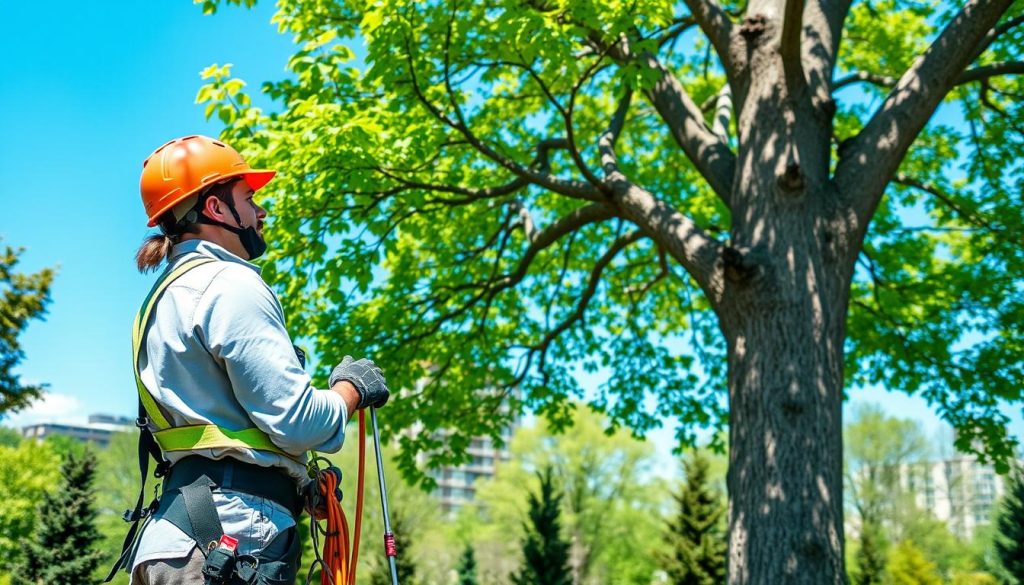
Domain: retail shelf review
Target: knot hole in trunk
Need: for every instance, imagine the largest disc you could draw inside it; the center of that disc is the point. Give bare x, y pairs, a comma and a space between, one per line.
738, 265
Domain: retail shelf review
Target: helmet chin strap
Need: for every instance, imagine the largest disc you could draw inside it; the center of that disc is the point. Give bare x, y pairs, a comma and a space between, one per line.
254, 245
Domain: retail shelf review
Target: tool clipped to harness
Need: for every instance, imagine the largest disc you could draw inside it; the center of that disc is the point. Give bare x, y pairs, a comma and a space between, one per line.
220, 563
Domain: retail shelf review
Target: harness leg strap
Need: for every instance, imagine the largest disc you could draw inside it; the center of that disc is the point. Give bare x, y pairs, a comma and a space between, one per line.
202, 513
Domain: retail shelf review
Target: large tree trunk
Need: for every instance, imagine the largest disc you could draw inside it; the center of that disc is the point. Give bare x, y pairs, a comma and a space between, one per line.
783, 314
785, 472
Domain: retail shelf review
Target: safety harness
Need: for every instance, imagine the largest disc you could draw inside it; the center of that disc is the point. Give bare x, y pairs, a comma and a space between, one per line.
187, 498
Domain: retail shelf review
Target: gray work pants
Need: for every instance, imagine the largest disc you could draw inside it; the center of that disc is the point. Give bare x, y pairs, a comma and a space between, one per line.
189, 570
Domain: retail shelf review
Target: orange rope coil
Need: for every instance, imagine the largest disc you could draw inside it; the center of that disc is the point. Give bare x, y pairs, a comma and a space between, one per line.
337, 561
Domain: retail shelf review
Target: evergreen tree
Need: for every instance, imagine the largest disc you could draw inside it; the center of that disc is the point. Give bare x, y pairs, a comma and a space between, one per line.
64, 549
870, 556
546, 554
696, 536
467, 567
1009, 539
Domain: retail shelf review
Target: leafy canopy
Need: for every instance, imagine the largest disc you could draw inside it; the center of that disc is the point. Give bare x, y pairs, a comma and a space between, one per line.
426, 150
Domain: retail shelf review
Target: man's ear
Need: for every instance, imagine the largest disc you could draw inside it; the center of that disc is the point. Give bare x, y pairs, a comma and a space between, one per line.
212, 207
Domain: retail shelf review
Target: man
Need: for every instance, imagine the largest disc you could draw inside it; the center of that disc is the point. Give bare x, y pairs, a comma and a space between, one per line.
222, 390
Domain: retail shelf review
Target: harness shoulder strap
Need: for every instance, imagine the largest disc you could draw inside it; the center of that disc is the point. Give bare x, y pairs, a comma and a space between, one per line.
148, 410
139, 336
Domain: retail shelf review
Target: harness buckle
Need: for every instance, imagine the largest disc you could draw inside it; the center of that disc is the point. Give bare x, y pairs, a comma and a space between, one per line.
220, 562
246, 569
162, 469
142, 422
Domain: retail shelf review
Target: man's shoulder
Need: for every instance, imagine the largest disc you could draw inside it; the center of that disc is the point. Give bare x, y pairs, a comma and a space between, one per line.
225, 280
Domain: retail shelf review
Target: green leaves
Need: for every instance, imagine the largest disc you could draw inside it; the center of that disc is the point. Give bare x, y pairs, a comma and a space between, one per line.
23, 297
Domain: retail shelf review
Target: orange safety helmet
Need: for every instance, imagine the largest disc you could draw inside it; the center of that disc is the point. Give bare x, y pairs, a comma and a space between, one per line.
184, 166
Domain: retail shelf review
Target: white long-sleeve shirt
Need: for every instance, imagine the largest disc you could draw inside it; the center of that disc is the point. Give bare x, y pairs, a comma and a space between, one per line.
217, 352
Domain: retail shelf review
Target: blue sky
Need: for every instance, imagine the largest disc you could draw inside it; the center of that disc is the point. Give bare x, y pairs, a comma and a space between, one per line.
87, 93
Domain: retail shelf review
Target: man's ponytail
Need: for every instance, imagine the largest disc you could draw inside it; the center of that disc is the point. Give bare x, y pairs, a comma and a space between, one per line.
154, 250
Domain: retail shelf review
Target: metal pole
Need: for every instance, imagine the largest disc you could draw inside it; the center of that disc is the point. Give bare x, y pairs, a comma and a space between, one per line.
389, 539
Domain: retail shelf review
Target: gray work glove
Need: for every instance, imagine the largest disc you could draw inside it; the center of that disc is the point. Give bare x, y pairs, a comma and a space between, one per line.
366, 377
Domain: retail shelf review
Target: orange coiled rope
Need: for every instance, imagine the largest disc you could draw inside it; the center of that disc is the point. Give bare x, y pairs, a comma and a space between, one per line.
337, 562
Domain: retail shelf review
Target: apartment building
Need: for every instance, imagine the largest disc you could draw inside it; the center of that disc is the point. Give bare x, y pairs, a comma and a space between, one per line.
99, 429
961, 491
456, 485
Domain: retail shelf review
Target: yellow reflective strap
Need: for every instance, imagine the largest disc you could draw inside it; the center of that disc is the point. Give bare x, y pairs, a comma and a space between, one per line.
138, 336
193, 437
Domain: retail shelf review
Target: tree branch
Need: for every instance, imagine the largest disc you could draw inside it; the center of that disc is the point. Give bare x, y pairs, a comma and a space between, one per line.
488, 289
606, 144
588, 293
975, 74
823, 31
789, 48
709, 153
995, 33
673, 34
879, 80
716, 25
569, 188
677, 234
992, 70
575, 220
871, 158
934, 191
723, 113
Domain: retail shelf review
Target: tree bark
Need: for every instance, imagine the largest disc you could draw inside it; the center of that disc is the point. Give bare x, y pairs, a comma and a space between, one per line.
785, 467
783, 313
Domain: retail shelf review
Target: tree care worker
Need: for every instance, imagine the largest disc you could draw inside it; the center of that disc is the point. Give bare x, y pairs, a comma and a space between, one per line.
222, 389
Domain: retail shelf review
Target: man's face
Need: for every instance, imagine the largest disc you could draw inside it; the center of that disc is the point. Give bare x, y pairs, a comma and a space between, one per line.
251, 213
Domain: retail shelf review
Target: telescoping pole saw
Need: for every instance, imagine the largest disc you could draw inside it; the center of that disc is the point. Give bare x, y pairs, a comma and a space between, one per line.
337, 565
389, 539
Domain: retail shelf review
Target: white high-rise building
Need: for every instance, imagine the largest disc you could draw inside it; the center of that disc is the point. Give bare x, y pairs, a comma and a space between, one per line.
960, 491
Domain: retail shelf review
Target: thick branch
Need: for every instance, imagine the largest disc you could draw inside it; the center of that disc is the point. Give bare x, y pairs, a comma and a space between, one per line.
789, 49
606, 144
823, 24
723, 113
987, 71
872, 157
677, 234
709, 153
716, 25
